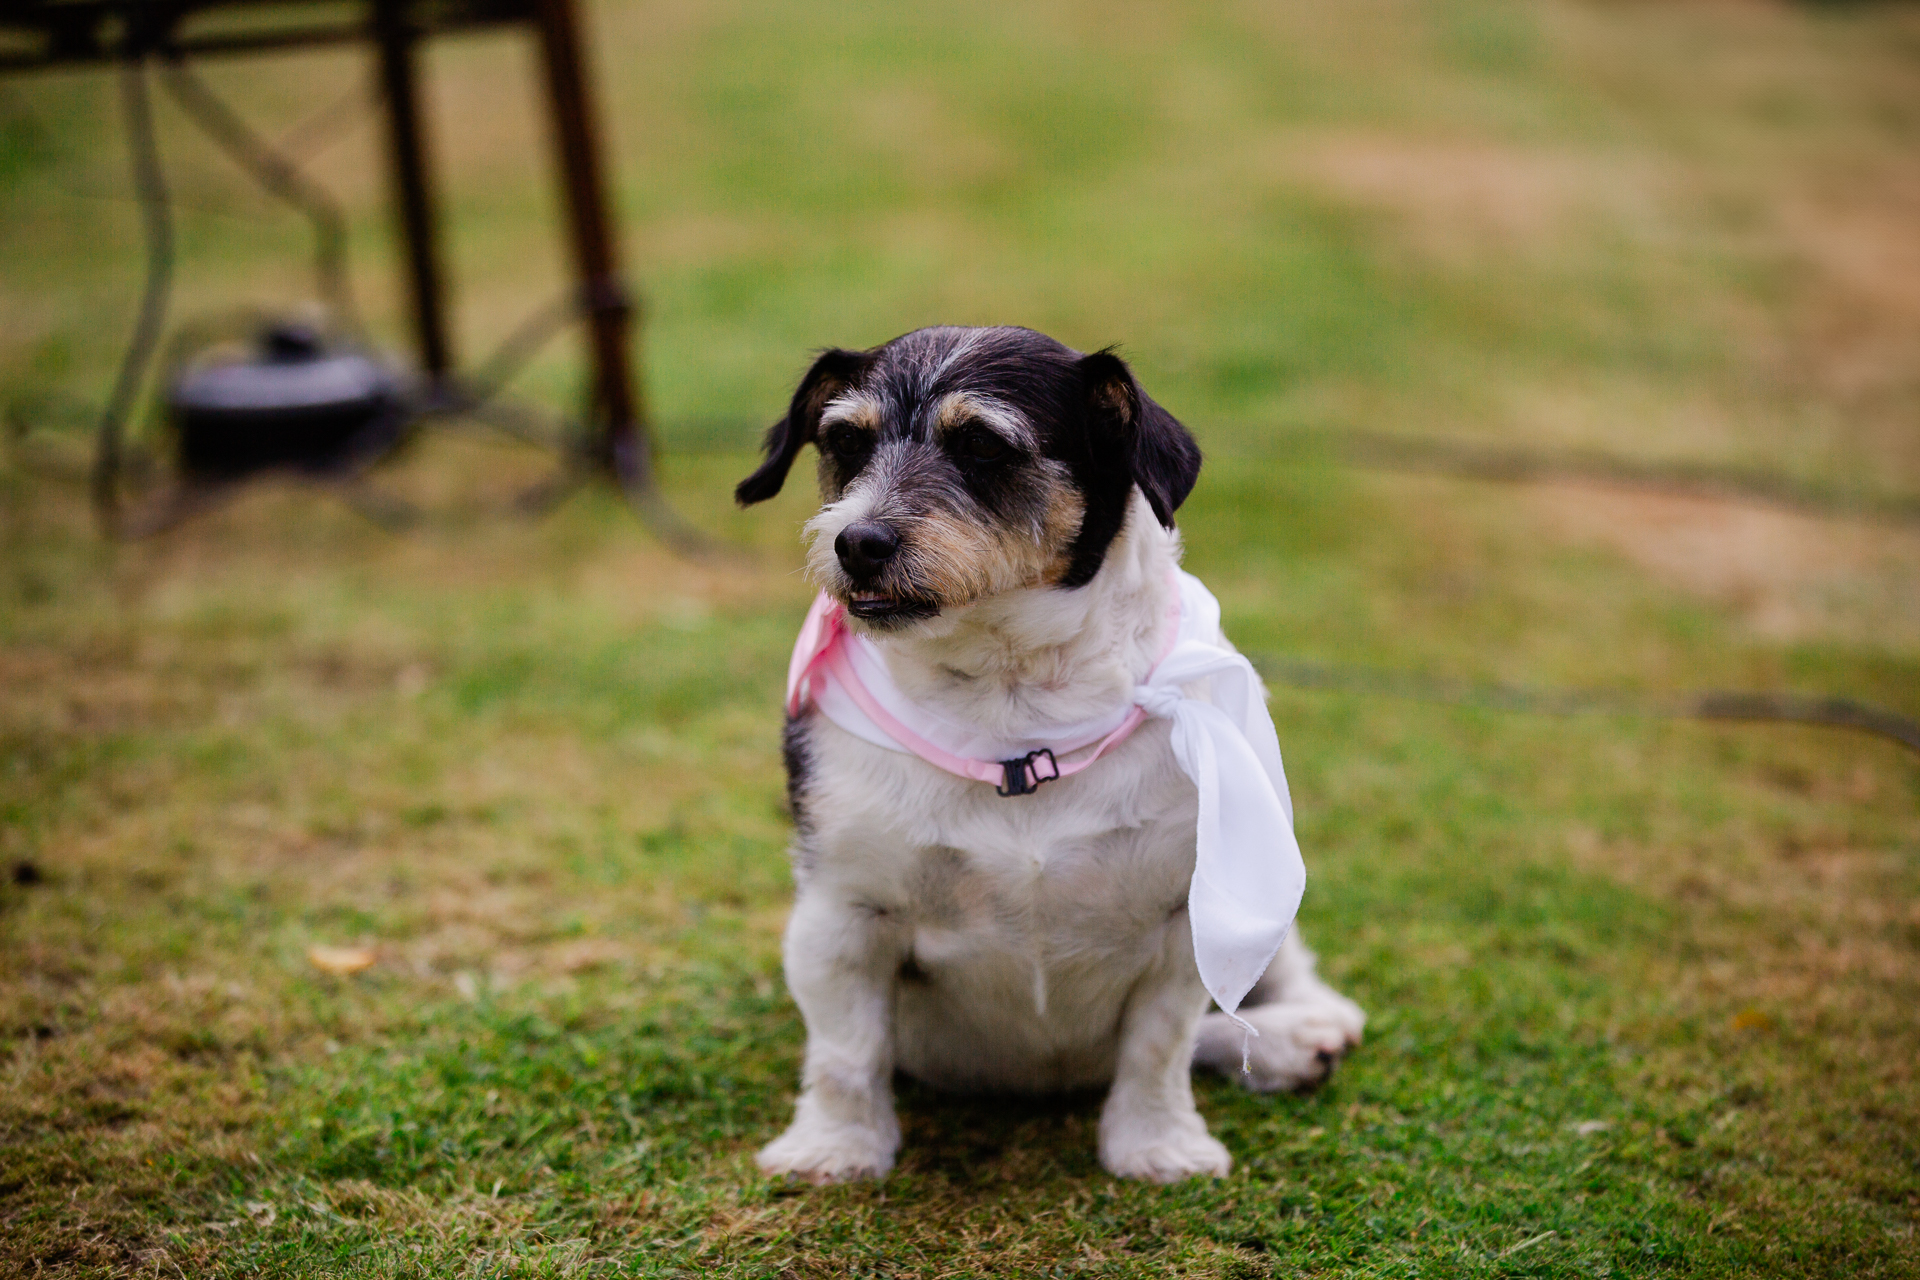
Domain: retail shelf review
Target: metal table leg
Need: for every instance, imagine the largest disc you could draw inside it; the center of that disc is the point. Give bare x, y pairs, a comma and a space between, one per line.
407, 150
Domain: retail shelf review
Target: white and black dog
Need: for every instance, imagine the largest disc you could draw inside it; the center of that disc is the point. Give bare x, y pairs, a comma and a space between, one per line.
998, 521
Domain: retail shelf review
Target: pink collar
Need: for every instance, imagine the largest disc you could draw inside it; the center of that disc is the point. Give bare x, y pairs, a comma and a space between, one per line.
825, 664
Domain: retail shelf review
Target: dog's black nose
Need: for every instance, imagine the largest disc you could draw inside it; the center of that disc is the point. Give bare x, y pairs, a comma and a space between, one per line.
865, 547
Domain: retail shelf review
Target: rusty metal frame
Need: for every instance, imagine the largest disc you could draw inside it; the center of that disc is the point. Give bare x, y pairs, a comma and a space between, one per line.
36, 34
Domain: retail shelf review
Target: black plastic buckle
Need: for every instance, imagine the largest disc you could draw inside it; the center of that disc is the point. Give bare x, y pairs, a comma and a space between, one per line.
1023, 776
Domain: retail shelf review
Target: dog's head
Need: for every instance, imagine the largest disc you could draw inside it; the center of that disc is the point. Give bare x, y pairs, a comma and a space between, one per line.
959, 463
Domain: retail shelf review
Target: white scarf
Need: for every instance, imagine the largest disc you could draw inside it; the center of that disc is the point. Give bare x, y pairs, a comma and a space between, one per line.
1247, 872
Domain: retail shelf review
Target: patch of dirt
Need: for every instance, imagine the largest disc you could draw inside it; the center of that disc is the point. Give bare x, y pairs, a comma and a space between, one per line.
1462, 199
1789, 575
1857, 326
65, 692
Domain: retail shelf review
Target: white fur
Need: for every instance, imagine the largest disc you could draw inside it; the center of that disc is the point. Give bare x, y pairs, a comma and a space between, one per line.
1051, 928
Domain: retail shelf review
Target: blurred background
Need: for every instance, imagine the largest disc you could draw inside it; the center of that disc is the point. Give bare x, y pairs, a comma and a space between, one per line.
523, 773
1670, 231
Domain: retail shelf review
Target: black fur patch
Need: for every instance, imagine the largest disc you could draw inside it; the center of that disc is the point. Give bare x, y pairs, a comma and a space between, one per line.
797, 754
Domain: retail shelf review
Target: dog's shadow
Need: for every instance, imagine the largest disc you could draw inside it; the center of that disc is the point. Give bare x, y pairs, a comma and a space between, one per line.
989, 1138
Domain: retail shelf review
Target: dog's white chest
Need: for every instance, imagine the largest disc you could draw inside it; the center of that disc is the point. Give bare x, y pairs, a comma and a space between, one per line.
1037, 893
1024, 921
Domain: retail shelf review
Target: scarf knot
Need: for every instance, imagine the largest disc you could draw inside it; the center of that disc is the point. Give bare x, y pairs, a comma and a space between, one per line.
1157, 700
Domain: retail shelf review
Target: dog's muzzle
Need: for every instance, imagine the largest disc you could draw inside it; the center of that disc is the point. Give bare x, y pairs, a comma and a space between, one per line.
865, 548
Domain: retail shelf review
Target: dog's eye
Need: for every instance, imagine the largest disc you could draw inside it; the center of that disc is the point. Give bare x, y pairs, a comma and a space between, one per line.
844, 441
982, 445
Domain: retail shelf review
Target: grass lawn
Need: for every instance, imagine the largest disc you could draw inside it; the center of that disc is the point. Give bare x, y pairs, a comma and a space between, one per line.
1642, 993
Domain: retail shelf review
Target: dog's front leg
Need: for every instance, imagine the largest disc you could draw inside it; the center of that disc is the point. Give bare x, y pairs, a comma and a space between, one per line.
842, 959
1149, 1127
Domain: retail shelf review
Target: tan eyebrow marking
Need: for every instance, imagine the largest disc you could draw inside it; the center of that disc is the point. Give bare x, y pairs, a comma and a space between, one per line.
856, 408
957, 407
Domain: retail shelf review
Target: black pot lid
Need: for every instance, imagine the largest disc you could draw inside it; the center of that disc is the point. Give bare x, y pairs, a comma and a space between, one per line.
282, 384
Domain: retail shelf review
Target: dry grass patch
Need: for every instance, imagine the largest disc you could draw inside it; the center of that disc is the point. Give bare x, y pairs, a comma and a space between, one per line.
1790, 576
1460, 202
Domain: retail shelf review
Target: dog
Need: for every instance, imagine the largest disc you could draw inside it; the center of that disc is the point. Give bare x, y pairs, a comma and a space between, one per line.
996, 533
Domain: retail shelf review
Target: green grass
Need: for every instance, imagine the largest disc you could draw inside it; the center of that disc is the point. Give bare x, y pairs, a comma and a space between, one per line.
1641, 993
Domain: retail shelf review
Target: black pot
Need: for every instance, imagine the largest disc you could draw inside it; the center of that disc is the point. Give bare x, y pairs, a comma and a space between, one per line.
294, 404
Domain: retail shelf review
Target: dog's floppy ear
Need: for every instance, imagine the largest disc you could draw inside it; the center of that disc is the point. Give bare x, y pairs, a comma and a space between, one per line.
832, 373
1159, 453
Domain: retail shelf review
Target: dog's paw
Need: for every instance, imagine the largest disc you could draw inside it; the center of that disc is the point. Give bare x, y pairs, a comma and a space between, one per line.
1298, 1045
1167, 1153
1160, 1148
822, 1153
1341, 1012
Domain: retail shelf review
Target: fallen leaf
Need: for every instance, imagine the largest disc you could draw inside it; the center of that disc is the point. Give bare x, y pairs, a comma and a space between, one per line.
587, 955
1751, 1020
340, 961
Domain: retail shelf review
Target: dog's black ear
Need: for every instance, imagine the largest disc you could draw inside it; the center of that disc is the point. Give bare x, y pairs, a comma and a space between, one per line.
832, 373
1156, 450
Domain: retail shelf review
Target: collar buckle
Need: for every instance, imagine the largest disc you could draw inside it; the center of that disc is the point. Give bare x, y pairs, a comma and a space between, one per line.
1022, 776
